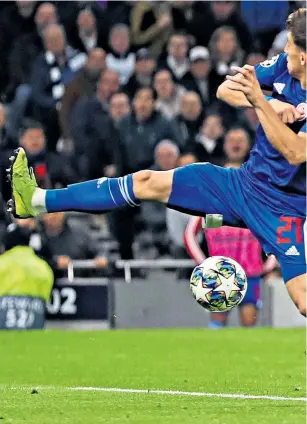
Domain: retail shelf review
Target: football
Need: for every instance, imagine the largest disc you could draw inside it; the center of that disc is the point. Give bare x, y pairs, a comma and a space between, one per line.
218, 284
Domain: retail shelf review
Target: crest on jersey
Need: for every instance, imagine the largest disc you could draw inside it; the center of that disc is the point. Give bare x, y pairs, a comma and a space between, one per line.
302, 107
269, 62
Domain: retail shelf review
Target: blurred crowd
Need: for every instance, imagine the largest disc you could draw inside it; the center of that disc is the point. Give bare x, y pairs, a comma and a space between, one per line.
105, 88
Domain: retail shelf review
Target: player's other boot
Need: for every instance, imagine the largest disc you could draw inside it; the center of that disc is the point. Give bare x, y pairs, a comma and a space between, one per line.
23, 185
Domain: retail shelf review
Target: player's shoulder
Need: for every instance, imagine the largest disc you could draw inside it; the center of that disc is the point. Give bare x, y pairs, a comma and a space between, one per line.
278, 61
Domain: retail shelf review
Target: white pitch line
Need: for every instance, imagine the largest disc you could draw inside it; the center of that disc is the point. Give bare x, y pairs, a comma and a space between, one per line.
159, 392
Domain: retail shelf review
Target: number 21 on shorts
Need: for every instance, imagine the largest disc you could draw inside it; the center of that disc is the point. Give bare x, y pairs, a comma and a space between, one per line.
291, 230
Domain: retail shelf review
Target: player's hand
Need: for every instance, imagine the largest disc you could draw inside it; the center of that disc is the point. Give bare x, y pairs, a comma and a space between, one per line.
286, 112
246, 81
63, 261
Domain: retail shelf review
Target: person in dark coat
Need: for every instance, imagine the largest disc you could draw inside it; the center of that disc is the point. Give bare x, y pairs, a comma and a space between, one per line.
145, 66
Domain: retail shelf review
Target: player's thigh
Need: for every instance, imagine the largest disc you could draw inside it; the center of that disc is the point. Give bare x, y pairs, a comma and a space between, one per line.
153, 185
203, 188
297, 288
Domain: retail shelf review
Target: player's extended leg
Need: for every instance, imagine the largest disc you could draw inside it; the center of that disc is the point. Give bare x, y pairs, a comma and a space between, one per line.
196, 189
102, 195
297, 290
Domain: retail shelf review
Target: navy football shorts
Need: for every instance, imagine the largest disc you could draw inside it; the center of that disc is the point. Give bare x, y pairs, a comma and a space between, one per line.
277, 219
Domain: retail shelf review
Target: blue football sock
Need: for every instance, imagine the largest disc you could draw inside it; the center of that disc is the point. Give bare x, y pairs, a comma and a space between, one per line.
215, 325
100, 195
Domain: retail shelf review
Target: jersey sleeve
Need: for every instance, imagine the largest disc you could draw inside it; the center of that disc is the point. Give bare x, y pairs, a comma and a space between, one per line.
303, 129
270, 69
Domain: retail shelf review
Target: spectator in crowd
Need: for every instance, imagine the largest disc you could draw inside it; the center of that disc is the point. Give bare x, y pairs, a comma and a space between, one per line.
177, 61
190, 117
92, 130
15, 20
225, 52
119, 107
139, 134
141, 131
20, 62
5, 142
89, 34
208, 144
166, 156
264, 22
169, 95
144, 68
67, 243
279, 43
254, 57
51, 169
225, 13
52, 71
29, 230
120, 59
20, 58
83, 84
198, 79
151, 25
236, 146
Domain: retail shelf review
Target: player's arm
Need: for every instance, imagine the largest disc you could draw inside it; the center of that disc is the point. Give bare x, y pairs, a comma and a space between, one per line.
193, 229
234, 98
265, 71
291, 145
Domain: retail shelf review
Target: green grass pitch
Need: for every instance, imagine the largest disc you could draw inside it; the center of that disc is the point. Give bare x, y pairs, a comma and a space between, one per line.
232, 361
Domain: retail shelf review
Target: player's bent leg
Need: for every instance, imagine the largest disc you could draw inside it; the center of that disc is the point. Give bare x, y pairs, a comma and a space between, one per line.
297, 289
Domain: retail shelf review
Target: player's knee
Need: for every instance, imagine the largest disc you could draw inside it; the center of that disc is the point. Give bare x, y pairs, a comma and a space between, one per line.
302, 308
152, 185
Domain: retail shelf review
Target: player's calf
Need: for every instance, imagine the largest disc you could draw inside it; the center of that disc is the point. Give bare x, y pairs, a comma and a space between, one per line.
297, 290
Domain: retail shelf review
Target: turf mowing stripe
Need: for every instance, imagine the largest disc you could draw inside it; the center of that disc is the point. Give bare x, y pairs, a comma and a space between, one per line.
158, 392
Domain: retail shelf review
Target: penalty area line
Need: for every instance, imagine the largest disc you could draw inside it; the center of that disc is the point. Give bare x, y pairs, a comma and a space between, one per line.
157, 392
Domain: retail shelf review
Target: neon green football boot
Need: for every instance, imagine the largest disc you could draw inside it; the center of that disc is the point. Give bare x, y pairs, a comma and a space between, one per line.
23, 185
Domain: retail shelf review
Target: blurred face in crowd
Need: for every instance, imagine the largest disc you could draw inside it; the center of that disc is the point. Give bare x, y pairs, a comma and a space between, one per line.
45, 15
33, 140
2, 115
145, 67
236, 145
96, 62
201, 68
119, 106
178, 47
164, 84
190, 106
227, 42
108, 85
166, 154
120, 40
254, 58
212, 127
222, 9
54, 38
25, 7
54, 222
296, 58
143, 103
86, 22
